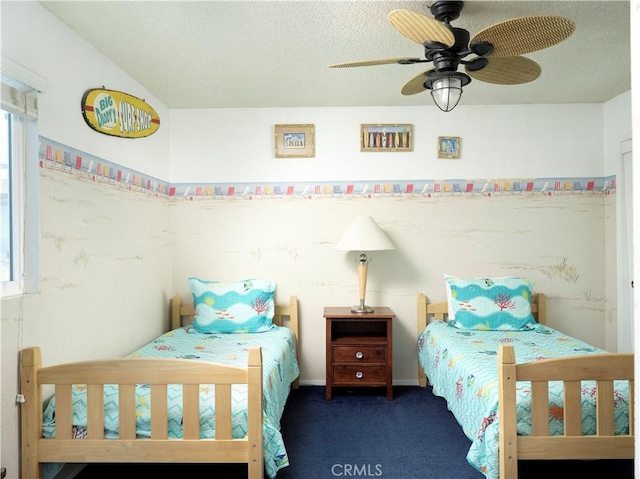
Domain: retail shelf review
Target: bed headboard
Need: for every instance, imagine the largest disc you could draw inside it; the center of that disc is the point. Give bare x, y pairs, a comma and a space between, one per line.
428, 312
182, 314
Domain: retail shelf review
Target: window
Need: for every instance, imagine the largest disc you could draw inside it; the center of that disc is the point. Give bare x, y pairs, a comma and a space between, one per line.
9, 235
19, 235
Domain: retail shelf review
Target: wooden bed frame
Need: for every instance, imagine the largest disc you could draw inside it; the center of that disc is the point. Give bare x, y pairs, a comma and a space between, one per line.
182, 314
127, 372
603, 368
428, 312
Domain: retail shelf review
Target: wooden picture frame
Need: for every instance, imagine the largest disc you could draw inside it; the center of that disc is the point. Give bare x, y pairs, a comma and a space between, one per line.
295, 141
391, 137
449, 147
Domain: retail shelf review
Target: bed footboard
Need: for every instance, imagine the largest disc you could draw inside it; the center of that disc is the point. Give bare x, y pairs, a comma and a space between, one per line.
126, 373
604, 369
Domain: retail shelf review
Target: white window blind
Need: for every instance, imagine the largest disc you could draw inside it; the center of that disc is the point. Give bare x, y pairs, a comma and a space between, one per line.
18, 98
20, 87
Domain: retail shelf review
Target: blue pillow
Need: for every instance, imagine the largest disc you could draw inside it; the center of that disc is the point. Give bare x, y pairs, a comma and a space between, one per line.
245, 306
490, 303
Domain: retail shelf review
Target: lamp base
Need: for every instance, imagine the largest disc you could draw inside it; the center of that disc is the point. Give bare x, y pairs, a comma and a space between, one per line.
362, 309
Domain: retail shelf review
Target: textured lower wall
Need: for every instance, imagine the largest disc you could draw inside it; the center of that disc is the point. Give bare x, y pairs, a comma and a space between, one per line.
559, 241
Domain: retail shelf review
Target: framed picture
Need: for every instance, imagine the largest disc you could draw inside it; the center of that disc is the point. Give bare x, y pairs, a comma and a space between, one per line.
449, 147
386, 137
295, 141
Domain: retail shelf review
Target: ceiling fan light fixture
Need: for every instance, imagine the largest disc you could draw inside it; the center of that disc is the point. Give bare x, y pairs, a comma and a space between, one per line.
446, 93
446, 89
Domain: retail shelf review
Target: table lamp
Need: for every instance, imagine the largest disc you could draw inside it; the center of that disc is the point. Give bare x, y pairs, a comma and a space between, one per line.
363, 235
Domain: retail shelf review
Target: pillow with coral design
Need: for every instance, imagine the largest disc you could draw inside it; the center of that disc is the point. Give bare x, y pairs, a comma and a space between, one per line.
490, 303
245, 306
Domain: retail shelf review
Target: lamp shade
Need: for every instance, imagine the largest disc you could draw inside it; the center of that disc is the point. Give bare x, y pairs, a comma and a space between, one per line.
364, 234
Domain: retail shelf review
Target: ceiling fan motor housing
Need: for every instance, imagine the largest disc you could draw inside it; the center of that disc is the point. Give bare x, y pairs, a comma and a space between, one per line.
449, 58
446, 11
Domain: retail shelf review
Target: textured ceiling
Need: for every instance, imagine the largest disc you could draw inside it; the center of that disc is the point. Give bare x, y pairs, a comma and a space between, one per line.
209, 54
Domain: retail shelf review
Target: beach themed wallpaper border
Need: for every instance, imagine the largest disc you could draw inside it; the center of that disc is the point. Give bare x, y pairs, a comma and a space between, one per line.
55, 156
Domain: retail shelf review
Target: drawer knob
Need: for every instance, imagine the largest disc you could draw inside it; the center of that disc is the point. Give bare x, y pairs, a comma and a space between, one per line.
359, 374
359, 355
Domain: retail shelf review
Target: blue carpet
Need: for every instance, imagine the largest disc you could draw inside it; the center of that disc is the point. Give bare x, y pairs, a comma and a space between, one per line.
361, 434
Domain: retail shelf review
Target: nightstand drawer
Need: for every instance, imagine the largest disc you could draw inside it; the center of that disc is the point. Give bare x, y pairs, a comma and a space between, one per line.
356, 374
359, 354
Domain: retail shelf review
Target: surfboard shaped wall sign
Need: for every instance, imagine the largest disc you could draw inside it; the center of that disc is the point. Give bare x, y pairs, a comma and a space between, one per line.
119, 114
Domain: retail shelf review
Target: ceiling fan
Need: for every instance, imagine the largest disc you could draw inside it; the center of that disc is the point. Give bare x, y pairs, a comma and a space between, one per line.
496, 52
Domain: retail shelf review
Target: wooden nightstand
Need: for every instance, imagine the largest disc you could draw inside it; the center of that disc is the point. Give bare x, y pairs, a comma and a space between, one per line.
359, 349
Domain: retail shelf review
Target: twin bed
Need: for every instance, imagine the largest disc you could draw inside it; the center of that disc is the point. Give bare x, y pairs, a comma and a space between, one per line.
527, 394
185, 397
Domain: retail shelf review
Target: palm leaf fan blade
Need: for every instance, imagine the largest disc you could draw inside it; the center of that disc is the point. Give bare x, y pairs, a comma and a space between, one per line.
507, 71
520, 36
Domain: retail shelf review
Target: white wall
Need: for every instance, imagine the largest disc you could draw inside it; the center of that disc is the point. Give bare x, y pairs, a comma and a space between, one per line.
497, 142
617, 129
